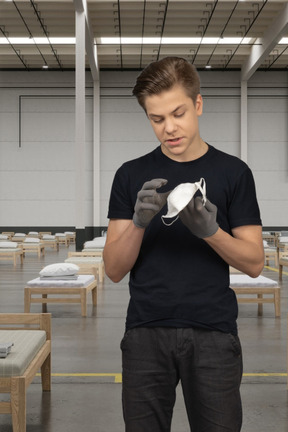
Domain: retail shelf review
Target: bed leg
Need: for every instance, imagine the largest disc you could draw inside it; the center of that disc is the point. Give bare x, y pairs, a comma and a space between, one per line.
18, 404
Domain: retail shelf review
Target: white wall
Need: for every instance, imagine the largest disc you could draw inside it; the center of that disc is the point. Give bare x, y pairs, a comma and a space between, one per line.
37, 174
37, 180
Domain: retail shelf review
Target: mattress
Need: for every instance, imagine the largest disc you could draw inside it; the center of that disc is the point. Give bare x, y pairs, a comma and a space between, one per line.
82, 281
27, 343
239, 280
84, 260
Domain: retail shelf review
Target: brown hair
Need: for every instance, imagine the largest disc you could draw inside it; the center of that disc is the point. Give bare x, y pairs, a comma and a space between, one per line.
163, 75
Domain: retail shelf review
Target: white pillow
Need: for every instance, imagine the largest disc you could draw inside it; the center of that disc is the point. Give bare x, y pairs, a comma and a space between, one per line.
31, 240
60, 235
265, 243
3, 237
19, 235
59, 269
48, 237
33, 232
99, 241
69, 232
92, 245
8, 244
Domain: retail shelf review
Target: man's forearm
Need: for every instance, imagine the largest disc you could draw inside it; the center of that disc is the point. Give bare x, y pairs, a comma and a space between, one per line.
243, 254
122, 249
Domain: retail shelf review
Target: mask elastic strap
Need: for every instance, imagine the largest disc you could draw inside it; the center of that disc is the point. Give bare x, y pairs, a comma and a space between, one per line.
202, 189
171, 223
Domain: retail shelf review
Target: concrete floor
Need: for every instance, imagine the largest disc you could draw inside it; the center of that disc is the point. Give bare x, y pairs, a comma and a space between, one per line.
86, 360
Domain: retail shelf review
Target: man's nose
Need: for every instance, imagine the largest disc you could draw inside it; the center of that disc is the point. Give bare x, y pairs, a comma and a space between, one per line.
170, 126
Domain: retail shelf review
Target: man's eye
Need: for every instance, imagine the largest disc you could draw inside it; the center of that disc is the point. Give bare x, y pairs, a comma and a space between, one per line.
157, 121
179, 115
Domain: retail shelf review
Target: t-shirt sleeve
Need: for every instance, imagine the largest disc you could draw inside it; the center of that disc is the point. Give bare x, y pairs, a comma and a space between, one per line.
244, 209
120, 203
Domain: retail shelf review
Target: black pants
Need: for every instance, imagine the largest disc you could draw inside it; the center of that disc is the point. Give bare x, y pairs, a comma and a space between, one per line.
207, 363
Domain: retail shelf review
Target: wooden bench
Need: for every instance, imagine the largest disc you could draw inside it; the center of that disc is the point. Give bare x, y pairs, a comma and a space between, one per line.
31, 335
266, 291
70, 291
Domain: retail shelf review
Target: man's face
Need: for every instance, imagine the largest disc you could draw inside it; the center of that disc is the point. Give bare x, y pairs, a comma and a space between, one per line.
174, 119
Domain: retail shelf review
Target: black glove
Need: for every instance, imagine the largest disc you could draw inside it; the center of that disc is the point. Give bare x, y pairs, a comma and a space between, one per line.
200, 218
149, 202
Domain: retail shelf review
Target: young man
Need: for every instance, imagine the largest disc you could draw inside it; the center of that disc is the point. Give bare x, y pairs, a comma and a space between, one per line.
181, 319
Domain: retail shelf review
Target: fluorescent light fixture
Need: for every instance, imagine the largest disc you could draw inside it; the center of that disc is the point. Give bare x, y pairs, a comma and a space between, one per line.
180, 41
129, 40
61, 40
133, 41
38, 41
209, 41
284, 41
235, 41
148, 41
173, 41
139, 41
110, 40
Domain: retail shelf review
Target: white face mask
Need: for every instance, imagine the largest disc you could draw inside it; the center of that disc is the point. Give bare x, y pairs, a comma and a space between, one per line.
181, 196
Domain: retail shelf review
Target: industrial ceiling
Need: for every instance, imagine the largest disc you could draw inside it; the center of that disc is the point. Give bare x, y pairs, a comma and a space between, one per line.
129, 34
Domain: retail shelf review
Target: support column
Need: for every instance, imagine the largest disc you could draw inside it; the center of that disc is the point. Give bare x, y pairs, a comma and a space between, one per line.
80, 138
96, 156
244, 122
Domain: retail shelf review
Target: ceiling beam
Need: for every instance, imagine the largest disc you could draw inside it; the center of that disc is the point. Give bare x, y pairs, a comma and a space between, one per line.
81, 7
263, 46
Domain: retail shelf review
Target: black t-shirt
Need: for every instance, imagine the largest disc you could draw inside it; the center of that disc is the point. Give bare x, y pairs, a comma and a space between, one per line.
178, 280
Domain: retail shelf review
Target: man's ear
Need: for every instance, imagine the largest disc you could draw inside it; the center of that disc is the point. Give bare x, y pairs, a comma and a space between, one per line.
199, 105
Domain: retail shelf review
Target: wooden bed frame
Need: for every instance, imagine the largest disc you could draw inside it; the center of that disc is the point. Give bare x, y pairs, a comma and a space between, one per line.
283, 261
12, 254
264, 294
31, 295
99, 266
17, 385
34, 247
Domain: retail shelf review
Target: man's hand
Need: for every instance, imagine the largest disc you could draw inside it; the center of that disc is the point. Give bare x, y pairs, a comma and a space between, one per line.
149, 202
200, 219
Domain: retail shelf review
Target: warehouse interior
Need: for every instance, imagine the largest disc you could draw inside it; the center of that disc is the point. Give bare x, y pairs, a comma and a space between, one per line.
68, 121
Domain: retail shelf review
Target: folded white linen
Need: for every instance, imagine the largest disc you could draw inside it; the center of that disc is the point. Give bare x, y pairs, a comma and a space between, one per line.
8, 245
31, 240
5, 348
